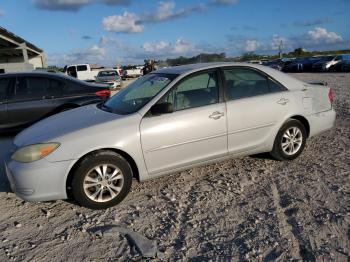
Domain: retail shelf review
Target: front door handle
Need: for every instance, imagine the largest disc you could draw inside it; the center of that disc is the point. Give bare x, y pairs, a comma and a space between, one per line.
216, 115
283, 101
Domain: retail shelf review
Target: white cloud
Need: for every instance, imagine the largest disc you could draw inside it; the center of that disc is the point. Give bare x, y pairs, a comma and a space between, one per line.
2, 12
163, 48
164, 11
125, 23
225, 2
133, 23
251, 45
316, 39
183, 47
94, 54
320, 35
74, 5
156, 47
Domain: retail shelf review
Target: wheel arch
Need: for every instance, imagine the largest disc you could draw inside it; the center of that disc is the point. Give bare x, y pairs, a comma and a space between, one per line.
128, 158
304, 121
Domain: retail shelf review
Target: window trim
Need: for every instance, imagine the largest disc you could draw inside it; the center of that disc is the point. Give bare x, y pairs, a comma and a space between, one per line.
267, 76
194, 74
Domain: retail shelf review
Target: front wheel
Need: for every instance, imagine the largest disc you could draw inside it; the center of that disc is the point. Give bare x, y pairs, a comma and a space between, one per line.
102, 180
290, 141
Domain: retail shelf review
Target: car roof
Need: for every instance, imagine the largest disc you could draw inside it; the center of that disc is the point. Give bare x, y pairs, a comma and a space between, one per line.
291, 82
183, 69
35, 73
58, 76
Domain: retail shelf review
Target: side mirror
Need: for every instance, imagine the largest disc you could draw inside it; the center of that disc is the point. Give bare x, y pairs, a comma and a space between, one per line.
162, 108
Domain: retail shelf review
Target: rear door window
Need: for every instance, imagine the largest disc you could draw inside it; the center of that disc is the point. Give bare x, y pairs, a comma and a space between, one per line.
55, 88
245, 82
275, 86
5, 86
30, 88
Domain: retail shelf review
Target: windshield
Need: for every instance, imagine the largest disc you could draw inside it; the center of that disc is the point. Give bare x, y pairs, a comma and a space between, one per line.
132, 98
327, 58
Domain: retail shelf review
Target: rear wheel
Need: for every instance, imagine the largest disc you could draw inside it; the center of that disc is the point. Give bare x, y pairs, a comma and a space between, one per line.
102, 180
290, 141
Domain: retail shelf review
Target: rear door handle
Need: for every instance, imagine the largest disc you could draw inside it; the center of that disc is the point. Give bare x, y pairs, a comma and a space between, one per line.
216, 115
283, 101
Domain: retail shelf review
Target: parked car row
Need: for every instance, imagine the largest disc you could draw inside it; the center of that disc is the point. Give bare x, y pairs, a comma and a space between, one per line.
329, 63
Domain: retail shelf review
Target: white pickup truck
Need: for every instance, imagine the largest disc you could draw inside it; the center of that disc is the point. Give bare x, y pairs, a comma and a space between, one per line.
132, 71
82, 71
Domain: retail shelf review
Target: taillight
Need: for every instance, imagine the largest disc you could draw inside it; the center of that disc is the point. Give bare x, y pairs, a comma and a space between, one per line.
331, 96
105, 93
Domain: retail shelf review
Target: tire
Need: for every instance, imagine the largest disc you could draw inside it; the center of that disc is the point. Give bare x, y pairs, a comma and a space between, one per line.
102, 180
284, 149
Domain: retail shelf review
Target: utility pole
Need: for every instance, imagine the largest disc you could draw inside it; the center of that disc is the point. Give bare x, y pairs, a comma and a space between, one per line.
280, 47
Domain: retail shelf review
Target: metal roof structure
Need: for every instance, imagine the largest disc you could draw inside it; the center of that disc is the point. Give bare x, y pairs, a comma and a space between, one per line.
17, 39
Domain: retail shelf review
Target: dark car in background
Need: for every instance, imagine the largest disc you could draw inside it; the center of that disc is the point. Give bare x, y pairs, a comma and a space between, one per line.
324, 64
302, 64
344, 66
340, 63
28, 97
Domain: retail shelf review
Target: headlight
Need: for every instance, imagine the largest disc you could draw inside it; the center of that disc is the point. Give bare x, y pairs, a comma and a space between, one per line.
34, 152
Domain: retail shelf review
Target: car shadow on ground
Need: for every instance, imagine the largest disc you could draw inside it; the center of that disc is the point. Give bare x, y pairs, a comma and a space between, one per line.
5, 145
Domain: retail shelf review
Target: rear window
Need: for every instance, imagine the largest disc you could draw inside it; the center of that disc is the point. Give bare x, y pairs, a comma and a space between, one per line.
107, 73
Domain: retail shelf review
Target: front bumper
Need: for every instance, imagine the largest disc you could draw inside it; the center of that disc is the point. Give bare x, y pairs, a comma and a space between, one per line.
38, 181
321, 121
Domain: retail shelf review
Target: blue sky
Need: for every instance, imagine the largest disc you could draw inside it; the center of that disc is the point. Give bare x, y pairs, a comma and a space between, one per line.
109, 32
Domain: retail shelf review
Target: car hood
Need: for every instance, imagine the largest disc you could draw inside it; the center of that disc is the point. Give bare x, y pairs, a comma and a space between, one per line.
106, 78
65, 123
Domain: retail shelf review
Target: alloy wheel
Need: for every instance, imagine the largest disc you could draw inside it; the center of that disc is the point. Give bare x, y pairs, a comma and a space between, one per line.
103, 183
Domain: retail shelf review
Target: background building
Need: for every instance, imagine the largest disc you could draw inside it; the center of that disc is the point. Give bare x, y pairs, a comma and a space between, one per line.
17, 54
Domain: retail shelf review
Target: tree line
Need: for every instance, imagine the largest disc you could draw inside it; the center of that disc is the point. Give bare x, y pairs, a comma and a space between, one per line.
206, 58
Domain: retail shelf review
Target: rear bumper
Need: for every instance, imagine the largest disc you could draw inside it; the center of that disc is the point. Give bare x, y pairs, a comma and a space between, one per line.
321, 122
38, 181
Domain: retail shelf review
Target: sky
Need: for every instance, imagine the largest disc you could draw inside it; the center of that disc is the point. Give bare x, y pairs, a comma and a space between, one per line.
111, 32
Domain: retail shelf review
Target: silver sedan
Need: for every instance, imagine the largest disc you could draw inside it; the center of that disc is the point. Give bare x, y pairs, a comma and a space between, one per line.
171, 119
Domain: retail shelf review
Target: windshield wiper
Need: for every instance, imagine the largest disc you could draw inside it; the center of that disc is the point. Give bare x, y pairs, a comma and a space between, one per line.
104, 107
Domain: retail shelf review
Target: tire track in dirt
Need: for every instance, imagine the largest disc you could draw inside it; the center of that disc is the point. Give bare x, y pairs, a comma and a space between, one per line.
284, 227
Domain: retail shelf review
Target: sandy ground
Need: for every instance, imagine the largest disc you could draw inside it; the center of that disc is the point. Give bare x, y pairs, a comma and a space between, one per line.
251, 208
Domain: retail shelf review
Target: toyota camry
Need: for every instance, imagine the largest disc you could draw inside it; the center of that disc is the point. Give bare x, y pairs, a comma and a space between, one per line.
171, 119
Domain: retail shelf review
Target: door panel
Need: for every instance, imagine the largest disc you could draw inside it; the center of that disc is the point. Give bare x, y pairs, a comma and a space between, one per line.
256, 104
183, 137
31, 100
251, 120
196, 131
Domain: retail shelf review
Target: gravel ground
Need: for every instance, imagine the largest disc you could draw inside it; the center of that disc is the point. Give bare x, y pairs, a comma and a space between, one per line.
251, 208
